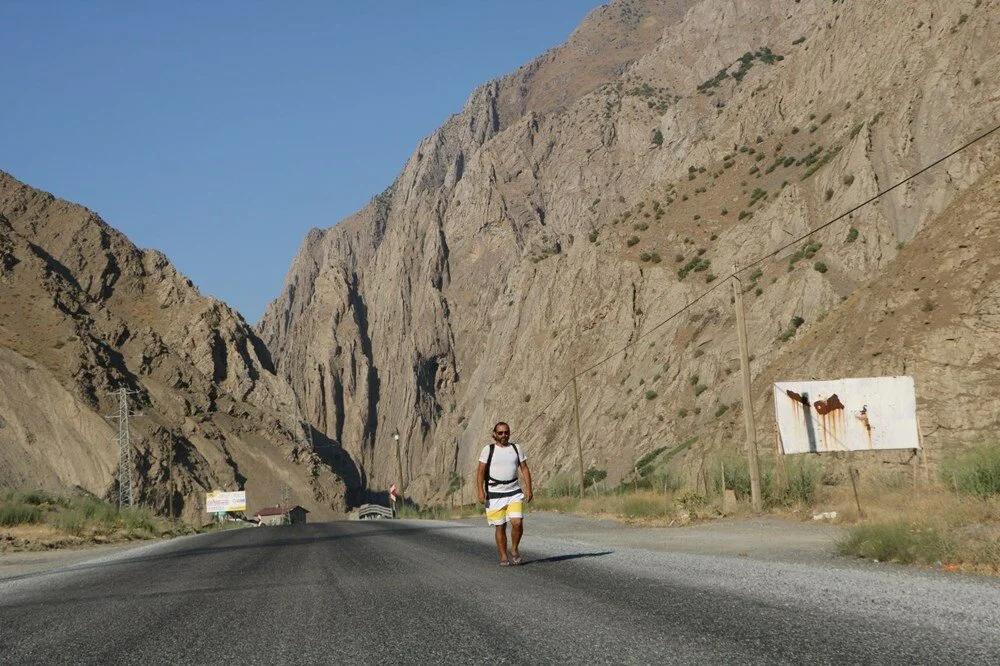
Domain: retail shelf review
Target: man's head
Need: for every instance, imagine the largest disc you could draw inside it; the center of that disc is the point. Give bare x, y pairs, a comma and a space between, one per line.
501, 433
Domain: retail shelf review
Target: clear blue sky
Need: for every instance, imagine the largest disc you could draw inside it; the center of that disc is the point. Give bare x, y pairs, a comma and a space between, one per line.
220, 132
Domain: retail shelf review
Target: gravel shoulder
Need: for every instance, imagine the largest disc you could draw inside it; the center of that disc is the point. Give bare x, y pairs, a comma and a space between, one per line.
769, 539
26, 563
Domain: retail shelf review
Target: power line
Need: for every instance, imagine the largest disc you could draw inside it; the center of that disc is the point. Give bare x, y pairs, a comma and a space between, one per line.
760, 259
865, 203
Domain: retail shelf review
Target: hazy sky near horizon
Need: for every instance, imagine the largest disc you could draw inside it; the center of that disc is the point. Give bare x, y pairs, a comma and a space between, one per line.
220, 132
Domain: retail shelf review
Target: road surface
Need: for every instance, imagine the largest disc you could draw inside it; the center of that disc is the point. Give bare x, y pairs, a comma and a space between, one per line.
381, 592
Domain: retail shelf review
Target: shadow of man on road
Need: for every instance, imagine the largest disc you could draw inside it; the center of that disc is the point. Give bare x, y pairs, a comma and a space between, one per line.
563, 558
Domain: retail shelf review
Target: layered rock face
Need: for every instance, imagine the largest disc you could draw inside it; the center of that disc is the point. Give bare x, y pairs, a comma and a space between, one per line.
84, 313
579, 218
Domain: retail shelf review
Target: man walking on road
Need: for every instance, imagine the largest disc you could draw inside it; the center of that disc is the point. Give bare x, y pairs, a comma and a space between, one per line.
499, 467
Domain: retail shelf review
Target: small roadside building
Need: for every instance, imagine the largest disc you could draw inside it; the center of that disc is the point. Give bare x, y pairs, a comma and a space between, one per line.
282, 515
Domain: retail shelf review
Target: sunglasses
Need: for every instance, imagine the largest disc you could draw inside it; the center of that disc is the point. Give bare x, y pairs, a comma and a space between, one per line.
501, 433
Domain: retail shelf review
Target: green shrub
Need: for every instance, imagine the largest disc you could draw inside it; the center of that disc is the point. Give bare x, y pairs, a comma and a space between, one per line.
820, 267
721, 410
632, 241
38, 497
594, 475
648, 458
637, 506
651, 395
793, 326
901, 542
72, 522
692, 500
657, 138
804, 475
13, 513
562, 485
852, 235
138, 521
975, 472
97, 511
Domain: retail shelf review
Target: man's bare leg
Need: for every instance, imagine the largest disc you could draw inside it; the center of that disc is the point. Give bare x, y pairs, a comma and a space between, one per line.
501, 537
516, 530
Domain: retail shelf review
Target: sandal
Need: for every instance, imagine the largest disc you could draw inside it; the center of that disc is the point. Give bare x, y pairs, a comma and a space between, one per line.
504, 563
516, 559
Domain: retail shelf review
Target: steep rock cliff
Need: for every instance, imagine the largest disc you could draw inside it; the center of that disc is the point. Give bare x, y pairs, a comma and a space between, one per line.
550, 231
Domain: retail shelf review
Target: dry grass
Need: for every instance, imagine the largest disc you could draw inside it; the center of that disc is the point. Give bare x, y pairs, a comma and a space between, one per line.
38, 520
926, 523
647, 507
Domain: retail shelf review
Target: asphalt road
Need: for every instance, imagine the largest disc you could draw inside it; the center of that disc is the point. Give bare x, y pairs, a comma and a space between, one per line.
383, 592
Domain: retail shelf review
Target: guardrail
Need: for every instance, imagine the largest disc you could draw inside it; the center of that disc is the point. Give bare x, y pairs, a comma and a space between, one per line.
374, 512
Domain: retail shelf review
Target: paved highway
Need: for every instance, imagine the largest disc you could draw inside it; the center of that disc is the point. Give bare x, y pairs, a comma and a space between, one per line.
381, 592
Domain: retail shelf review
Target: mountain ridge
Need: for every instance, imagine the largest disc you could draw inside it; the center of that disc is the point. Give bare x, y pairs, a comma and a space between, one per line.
471, 287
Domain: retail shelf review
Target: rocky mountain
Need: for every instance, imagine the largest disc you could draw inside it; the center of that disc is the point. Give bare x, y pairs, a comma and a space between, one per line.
581, 216
84, 313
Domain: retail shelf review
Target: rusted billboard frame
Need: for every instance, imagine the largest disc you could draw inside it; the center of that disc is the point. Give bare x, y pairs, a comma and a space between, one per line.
831, 410
883, 410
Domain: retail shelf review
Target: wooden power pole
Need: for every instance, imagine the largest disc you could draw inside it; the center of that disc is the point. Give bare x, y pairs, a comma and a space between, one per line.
579, 443
751, 428
399, 467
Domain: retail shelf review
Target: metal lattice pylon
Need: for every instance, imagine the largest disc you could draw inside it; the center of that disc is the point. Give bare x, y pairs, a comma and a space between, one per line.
124, 439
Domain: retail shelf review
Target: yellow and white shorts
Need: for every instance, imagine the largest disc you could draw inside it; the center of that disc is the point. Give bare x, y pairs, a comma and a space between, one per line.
499, 510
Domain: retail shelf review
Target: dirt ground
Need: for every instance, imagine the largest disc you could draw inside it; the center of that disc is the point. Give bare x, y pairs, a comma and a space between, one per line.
759, 538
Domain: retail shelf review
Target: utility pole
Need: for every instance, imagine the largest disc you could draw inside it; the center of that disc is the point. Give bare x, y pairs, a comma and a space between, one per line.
576, 401
124, 439
168, 457
748, 421
399, 467
579, 443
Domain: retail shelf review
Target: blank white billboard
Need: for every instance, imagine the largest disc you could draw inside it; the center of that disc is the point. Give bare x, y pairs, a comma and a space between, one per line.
862, 414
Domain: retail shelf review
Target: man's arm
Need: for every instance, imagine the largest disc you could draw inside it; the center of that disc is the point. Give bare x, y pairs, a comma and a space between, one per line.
481, 482
526, 475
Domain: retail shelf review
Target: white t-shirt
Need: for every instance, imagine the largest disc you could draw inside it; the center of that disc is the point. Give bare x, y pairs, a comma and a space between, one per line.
504, 465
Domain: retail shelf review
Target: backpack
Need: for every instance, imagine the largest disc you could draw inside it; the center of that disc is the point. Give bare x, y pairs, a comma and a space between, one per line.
490, 481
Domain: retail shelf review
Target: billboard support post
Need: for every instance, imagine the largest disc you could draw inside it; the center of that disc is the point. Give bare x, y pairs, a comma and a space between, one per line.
853, 472
751, 428
780, 474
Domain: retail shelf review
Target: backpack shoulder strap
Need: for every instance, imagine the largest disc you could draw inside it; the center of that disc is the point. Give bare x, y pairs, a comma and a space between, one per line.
489, 459
486, 476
